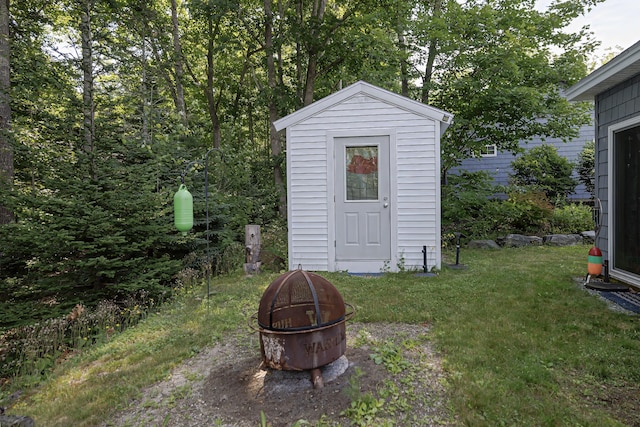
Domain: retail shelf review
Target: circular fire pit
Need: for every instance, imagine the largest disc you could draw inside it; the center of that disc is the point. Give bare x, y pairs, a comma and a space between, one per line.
301, 320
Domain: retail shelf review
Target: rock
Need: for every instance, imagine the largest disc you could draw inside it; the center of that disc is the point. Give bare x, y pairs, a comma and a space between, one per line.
562, 239
519, 240
589, 236
483, 244
16, 421
535, 240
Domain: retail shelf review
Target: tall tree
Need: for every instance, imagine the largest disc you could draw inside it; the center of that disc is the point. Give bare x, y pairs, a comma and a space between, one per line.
495, 68
211, 17
314, 38
85, 7
6, 150
272, 88
178, 63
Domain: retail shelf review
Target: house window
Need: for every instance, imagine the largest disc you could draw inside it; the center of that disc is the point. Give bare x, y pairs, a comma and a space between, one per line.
624, 205
489, 150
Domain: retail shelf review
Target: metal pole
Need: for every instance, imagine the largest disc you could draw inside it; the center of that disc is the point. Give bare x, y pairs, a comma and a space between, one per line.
424, 258
206, 197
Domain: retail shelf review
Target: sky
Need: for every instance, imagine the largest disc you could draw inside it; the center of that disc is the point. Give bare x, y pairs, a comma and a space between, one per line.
613, 22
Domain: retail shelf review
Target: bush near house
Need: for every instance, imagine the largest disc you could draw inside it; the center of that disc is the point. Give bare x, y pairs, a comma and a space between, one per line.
585, 166
542, 168
471, 206
574, 218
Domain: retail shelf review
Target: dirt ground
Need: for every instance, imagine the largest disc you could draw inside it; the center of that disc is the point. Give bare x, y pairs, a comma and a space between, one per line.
225, 386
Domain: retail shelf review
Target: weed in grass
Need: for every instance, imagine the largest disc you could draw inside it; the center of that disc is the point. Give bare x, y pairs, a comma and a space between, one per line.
263, 420
150, 404
193, 376
364, 411
363, 338
390, 355
396, 399
299, 423
31, 351
177, 394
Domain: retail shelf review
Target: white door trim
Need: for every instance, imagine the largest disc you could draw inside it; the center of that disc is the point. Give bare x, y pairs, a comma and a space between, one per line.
622, 275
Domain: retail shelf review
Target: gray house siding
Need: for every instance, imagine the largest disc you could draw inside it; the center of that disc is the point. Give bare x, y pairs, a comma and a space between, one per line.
615, 105
499, 166
615, 87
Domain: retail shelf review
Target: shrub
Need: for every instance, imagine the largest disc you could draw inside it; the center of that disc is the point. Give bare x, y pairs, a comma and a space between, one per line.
543, 169
525, 211
274, 253
465, 199
585, 166
468, 207
572, 219
31, 350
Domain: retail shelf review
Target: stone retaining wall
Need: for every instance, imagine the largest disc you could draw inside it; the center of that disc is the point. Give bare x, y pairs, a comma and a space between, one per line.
519, 240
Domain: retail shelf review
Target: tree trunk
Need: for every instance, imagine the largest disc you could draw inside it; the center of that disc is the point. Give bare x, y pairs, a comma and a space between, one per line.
299, 52
431, 56
6, 151
87, 87
146, 98
179, 64
274, 137
310, 81
317, 15
404, 74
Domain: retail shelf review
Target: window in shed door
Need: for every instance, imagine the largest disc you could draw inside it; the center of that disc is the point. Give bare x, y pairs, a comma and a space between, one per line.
361, 172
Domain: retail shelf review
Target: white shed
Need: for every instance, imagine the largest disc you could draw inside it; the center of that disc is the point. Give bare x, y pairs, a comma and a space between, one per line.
363, 182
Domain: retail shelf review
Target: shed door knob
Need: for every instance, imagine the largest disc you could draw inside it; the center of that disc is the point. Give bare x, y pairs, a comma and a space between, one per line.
386, 205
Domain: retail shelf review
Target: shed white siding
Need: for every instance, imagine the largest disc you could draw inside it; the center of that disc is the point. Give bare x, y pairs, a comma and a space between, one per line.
414, 178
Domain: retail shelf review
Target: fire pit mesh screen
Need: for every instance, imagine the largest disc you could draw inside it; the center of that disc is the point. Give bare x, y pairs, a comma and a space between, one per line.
298, 301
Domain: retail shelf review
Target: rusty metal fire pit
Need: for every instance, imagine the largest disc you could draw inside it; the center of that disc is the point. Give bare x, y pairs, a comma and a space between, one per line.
301, 320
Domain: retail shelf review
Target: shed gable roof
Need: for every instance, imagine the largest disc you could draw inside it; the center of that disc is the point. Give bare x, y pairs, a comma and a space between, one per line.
370, 90
621, 68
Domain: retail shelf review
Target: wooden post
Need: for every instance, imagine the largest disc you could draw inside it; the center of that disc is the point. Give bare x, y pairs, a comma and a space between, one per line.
252, 249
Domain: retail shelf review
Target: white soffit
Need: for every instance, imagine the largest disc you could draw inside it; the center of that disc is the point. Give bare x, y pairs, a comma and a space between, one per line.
621, 68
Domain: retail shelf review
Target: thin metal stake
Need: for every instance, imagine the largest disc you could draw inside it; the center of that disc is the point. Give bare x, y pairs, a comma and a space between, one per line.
457, 247
206, 197
424, 258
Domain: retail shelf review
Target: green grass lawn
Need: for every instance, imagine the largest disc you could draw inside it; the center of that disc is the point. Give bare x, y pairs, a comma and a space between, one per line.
521, 343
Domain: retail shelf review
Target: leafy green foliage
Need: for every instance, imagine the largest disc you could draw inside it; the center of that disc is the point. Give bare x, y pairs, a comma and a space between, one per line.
526, 211
93, 224
495, 72
274, 253
101, 238
390, 355
544, 169
471, 206
467, 200
572, 218
365, 410
30, 351
585, 166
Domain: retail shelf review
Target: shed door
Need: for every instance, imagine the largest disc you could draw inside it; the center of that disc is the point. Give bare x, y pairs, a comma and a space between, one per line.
363, 221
